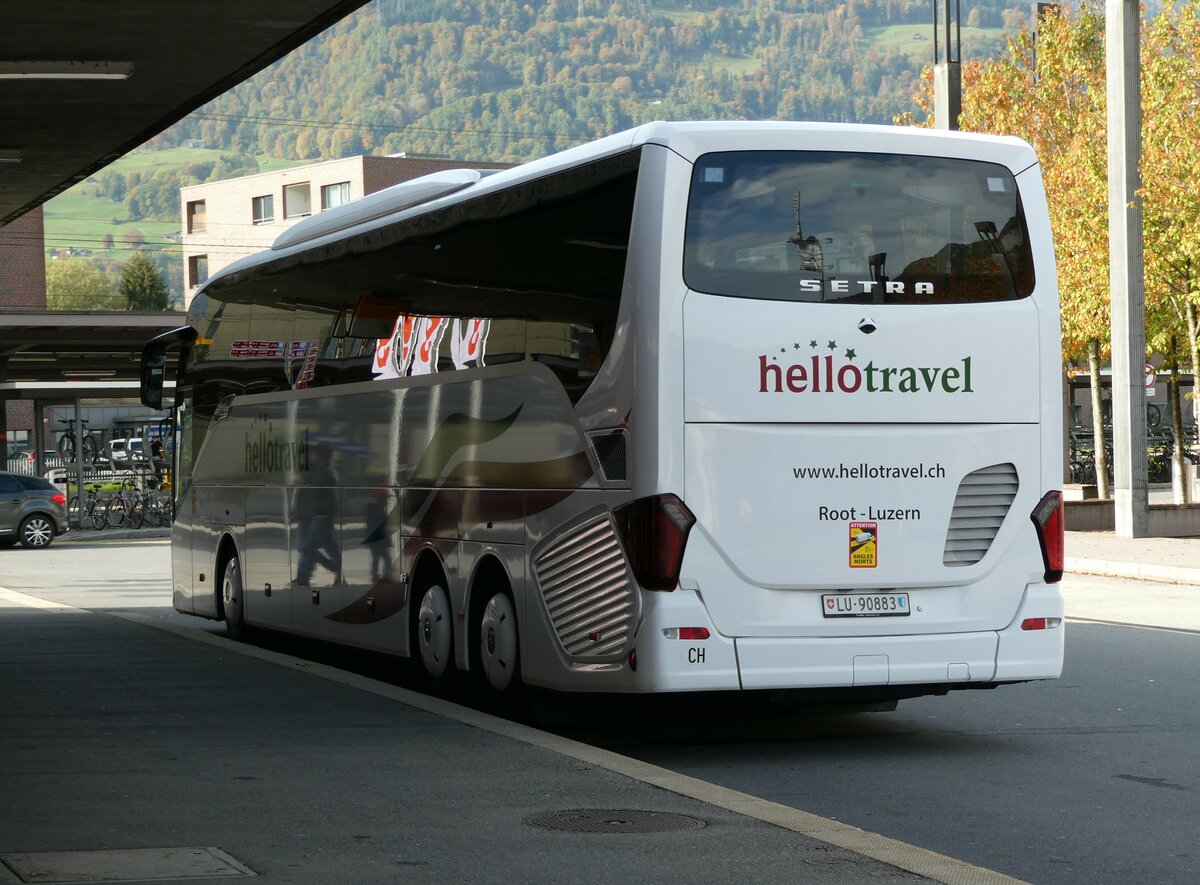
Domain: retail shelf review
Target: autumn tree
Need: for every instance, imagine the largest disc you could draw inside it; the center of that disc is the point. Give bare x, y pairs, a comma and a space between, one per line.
74, 284
1171, 204
1051, 92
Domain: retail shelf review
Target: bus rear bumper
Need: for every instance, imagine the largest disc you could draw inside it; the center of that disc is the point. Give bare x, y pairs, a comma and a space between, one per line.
1014, 654
854, 662
664, 663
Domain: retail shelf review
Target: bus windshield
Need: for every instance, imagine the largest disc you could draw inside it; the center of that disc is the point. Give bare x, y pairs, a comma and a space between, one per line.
855, 227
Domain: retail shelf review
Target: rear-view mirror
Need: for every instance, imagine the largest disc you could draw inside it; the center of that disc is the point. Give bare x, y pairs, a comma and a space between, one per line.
154, 363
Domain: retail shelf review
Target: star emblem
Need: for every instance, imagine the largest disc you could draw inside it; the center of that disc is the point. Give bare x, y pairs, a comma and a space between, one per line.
812, 343
832, 345
850, 354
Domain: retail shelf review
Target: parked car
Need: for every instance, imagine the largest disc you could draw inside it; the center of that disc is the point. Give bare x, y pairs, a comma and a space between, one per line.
32, 510
124, 452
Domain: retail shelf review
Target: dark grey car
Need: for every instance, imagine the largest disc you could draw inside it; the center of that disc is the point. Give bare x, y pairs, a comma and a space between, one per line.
32, 510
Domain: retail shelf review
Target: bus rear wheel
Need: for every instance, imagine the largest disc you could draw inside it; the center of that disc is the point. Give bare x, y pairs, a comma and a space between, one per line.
232, 600
499, 656
433, 637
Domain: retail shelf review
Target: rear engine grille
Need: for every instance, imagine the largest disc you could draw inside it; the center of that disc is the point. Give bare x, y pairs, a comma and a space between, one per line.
589, 591
983, 499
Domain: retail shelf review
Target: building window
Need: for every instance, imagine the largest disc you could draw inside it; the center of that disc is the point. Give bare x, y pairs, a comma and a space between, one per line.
335, 194
264, 209
197, 217
197, 270
297, 200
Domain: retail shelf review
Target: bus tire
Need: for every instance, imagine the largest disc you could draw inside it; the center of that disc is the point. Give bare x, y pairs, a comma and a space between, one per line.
233, 609
499, 656
433, 637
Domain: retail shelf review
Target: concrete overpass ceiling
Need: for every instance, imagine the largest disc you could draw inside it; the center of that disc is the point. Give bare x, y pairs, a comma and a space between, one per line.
57, 132
60, 347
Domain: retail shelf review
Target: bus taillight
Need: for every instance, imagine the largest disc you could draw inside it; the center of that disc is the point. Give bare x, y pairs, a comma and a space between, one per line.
655, 532
1047, 517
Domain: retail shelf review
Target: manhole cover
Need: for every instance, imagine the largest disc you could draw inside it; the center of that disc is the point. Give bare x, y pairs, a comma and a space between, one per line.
614, 820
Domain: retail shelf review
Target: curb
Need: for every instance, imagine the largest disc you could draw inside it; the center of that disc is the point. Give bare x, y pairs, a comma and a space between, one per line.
1171, 574
91, 535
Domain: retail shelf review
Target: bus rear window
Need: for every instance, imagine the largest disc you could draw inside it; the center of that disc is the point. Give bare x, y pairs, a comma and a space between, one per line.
825, 226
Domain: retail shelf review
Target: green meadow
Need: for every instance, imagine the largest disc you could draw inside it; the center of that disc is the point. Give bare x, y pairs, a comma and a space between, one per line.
81, 217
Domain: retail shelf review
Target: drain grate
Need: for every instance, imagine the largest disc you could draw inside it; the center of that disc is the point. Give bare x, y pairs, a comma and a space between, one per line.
120, 865
614, 820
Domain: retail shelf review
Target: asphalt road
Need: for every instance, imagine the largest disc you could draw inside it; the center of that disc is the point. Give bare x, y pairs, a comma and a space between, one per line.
1094, 778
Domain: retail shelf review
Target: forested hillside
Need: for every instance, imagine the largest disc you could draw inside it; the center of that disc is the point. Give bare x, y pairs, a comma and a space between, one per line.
511, 80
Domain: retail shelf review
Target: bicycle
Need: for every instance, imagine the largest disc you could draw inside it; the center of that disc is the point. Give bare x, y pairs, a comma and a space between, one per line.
164, 505
159, 509
95, 509
141, 511
67, 443
120, 509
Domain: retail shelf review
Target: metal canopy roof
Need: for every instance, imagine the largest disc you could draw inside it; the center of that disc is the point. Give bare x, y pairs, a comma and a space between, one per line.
54, 354
56, 132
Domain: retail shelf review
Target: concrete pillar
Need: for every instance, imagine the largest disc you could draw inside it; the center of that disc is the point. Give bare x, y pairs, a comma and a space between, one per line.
1126, 277
947, 95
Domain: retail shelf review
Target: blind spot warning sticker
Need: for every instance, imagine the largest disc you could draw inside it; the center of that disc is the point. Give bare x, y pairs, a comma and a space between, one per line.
864, 544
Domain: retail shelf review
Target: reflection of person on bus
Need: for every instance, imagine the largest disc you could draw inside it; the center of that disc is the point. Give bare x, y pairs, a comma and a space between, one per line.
376, 516
316, 512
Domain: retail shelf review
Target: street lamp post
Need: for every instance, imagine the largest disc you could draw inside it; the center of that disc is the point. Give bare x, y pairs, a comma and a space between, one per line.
947, 75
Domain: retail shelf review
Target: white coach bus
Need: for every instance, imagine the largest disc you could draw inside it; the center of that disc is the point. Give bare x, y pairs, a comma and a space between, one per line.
695, 407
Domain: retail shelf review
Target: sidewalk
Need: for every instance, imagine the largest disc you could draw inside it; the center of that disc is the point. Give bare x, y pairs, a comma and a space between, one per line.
1173, 560
164, 754
1165, 594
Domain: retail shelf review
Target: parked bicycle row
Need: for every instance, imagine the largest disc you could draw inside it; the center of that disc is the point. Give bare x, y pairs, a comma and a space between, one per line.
1160, 450
126, 506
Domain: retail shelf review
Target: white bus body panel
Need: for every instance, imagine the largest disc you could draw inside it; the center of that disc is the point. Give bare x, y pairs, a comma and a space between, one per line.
967, 390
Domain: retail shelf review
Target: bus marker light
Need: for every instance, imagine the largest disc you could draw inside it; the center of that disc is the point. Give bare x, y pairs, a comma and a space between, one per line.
1040, 623
633, 660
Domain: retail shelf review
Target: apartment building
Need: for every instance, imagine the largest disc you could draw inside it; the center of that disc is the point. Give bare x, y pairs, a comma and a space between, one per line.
22, 287
227, 220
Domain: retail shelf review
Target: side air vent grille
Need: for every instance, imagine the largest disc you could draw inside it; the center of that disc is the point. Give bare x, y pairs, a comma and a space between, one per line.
980, 506
589, 591
612, 451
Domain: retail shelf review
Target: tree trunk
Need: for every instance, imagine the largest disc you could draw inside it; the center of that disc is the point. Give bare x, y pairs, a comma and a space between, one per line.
1193, 330
1101, 454
1181, 494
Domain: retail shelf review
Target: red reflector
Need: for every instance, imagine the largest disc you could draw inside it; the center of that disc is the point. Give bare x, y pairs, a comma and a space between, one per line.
1047, 518
1040, 623
693, 633
655, 531
633, 660
59, 498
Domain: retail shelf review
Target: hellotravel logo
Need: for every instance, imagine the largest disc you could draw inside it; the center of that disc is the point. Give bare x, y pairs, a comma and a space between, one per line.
806, 369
